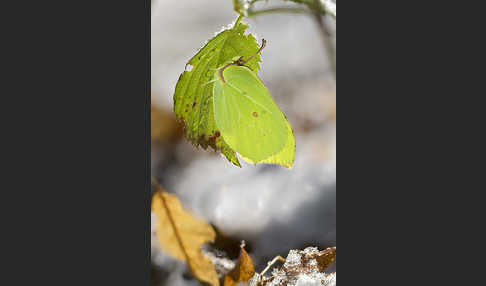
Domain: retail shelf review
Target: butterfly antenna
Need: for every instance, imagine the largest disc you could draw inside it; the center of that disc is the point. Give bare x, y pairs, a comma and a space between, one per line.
264, 43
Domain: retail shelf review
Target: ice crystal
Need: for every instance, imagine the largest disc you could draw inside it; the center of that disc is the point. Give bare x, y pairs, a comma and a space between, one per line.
294, 258
304, 268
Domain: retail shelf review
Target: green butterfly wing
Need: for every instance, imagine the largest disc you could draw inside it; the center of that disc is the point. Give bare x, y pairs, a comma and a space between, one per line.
250, 121
286, 156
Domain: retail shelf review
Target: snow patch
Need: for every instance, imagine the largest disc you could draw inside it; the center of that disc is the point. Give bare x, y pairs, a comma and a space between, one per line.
293, 259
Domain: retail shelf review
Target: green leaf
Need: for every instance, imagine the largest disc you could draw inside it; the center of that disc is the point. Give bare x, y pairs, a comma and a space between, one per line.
193, 99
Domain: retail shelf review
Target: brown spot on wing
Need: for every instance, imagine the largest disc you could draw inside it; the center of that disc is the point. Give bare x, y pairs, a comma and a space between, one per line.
255, 114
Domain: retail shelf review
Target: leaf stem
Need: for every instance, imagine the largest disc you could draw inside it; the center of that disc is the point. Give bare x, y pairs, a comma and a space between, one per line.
238, 20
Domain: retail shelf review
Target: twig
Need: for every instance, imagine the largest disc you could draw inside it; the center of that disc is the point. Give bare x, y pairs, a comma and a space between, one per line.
277, 258
290, 10
329, 7
326, 38
325, 7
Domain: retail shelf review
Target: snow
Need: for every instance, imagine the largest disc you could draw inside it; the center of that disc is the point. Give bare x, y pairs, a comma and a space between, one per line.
306, 280
274, 209
311, 250
312, 263
293, 259
330, 280
298, 272
319, 279
254, 280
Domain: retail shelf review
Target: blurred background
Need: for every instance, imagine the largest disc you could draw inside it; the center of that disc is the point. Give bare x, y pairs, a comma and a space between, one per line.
272, 208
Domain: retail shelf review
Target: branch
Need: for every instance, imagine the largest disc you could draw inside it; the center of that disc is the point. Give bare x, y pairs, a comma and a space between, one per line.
326, 37
325, 7
329, 7
290, 10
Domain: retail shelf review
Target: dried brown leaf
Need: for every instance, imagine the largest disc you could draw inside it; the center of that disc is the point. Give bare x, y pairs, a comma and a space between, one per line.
181, 235
325, 258
309, 263
243, 271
